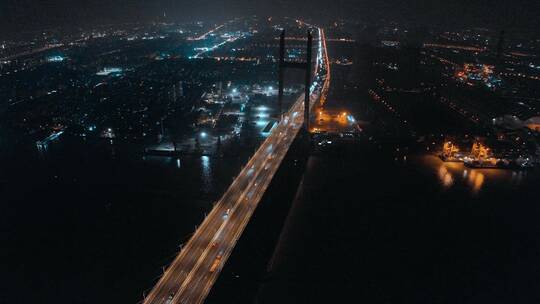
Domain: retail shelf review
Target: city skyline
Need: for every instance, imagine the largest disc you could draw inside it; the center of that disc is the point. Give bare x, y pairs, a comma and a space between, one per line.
33, 15
322, 152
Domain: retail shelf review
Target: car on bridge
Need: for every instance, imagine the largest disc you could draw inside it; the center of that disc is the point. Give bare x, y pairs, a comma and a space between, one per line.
169, 299
216, 262
226, 214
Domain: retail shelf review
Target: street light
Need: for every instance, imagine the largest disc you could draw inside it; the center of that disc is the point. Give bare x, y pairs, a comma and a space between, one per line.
203, 134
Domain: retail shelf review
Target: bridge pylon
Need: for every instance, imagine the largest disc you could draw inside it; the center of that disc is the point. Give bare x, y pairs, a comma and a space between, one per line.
306, 66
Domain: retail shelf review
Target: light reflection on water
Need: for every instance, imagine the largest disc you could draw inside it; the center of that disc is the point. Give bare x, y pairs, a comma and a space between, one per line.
454, 174
206, 172
161, 161
476, 180
204, 167
445, 177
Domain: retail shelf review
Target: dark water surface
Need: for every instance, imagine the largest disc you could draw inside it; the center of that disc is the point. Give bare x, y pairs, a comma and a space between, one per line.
368, 228
95, 223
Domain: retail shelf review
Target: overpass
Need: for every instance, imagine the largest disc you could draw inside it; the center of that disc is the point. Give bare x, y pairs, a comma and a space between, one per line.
190, 276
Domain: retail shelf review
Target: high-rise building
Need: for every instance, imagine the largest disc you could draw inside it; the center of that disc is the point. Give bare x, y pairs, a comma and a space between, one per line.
172, 93
180, 89
220, 88
177, 91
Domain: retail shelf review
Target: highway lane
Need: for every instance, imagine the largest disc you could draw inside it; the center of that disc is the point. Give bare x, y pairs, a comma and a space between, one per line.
189, 277
203, 278
201, 239
203, 36
32, 52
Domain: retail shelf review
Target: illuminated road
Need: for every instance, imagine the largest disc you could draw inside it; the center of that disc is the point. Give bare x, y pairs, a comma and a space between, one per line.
31, 52
191, 275
203, 50
215, 47
203, 36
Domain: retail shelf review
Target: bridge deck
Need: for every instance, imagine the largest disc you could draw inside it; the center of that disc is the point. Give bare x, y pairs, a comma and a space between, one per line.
193, 272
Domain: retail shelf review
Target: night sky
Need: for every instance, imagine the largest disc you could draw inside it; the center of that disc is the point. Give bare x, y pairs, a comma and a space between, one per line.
17, 15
